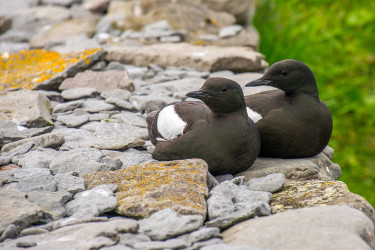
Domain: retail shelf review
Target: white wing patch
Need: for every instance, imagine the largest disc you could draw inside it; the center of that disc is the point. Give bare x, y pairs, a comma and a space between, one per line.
169, 124
253, 115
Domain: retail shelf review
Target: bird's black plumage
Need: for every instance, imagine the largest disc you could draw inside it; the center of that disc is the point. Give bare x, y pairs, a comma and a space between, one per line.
215, 129
294, 123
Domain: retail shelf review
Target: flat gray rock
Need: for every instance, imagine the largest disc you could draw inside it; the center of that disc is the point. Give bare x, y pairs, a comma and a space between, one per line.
207, 58
39, 158
130, 156
328, 227
11, 132
35, 179
93, 202
168, 244
5, 158
49, 140
73, 121
227, 198
27, 108
76, 138
204, 234
167, 223
67, 106
118, 143
95, 106
83, 161
70, 183
130, 240
113, 128
17, 210
249, 211
93, 235
121, 94
318, 167
78, 93
133, 119
101, 81
52, 203
270, 183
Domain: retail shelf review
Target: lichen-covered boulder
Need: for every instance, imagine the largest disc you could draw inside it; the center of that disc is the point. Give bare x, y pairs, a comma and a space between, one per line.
147, 188
42, 69
314, 193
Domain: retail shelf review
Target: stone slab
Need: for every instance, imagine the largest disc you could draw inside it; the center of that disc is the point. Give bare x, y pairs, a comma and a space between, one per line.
147, 188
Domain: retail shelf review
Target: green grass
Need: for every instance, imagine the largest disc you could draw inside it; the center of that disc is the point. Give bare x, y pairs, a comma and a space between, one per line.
336, 39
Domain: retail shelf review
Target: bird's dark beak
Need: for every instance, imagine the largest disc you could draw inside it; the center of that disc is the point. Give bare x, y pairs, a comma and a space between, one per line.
258, 82
197, 94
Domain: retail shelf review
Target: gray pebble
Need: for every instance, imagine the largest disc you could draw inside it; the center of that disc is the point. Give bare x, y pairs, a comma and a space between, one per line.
25, 243
270, 183
78, 93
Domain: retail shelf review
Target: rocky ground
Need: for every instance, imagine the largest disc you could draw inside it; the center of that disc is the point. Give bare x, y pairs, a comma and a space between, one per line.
76, 169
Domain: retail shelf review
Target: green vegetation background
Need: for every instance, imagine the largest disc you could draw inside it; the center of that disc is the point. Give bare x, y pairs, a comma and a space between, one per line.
336, 39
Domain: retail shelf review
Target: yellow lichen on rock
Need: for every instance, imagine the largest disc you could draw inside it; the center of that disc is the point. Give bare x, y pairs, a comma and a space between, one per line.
147, 188
29, 68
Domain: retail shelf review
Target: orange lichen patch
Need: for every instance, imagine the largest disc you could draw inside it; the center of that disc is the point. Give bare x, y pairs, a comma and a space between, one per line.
28, 68
147, 188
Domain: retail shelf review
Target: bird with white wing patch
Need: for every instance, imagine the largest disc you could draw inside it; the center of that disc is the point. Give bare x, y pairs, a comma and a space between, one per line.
216, 129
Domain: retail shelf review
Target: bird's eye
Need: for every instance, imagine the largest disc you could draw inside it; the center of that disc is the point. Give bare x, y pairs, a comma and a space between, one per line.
284, 73
224, 89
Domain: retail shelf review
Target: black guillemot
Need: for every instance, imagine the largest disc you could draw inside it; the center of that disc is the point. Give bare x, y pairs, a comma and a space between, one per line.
292, 121
215, 129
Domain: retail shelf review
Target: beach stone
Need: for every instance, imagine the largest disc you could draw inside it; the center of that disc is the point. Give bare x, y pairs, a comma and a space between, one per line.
77, 93
92, 235
168, 244
118, 143
204, 234
76, 138
168, 223
98, 117
130, 156
39, 158
51, 203
73, 121
70, 183
83, 161
246, 37
315, 193
224, 177
270, 183
121, 94
27, 108
19, 150
33, 231
101, 81
318, 167
329, 227
147, 188
67, 106
44, 69
95, 106
35, 179
229, 31
49, 140
209, 58
134, 119
228, 197
130, 240
25, 244
52, 95
10, 232
17, 210
254, 209
91, 203
59, 33
113, 128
